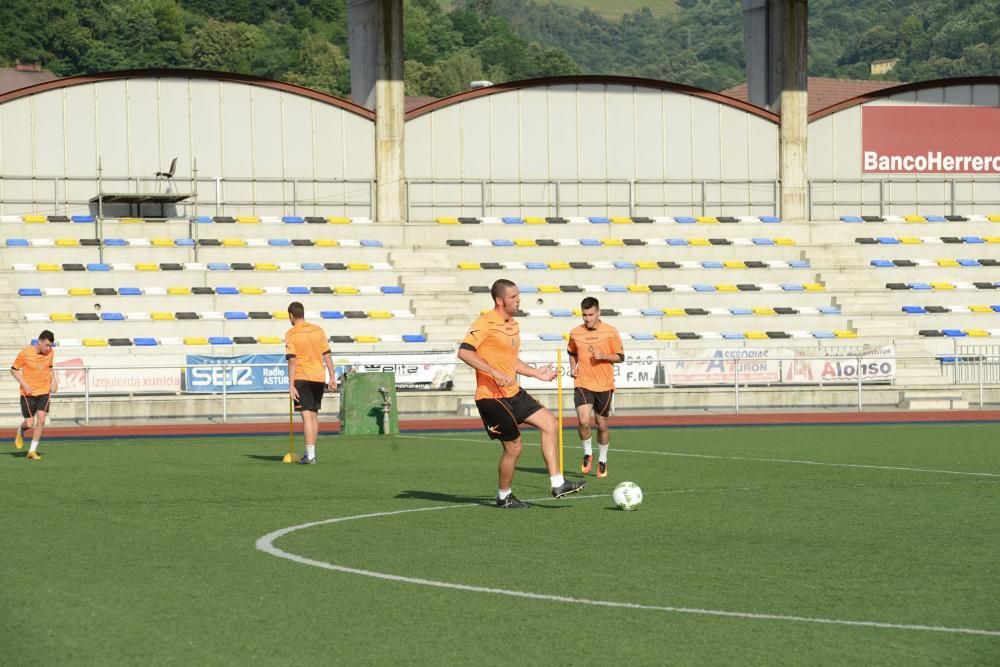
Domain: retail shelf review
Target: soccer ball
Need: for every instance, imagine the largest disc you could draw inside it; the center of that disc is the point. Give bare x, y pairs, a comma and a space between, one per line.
627, 496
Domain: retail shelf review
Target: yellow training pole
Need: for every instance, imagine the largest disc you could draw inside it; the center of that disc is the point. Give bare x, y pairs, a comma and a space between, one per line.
559, 402
290, 456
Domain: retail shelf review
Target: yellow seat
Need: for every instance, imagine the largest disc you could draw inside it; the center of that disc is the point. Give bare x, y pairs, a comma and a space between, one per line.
534, 220
665, 335
338, 220
179, 291
845, 333
723, 287
48, 267
162, 243
379, 315
34, 218
674, 312
992, 239
915, 218
67, 243
763, 310
195, 340
359, 266
946, 262
95, 342
524, 243
647, 264
814, 287
346, 289
637, 288
326, 243
698, 242
147, 266
977, 333
445, 220
250, 290
910, 240
233, 243
784, 240
621, 220
734, 265
755, 335
269, 340
559, 266
80, 291
247, 219
366, 339
548, 289
942, 286
61, 317
265, 266
980, 309
131, 221
280, 314
612, 242
706, 220
469, 266
161, 315
993, 218
578, 312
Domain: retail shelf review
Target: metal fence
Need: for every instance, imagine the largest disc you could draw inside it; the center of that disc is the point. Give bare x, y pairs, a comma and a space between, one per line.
830, 198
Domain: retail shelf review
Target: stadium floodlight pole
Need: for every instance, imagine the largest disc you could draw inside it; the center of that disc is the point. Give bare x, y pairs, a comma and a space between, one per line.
559, 403
290, 456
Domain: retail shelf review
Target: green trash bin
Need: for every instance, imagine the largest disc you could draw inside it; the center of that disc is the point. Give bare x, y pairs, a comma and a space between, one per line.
362, 404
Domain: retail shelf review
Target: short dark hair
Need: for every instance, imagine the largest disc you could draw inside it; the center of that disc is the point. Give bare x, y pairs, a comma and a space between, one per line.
590, 302
296, 310
47, 335
500, 287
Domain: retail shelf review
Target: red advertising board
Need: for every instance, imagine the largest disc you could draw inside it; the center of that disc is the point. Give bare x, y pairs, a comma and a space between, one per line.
930, 140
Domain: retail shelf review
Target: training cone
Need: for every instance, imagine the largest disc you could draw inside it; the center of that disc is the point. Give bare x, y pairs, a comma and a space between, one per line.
288, 458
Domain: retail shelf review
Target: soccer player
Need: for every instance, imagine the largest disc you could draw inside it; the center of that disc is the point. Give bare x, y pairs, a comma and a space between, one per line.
491, 347
594, 348
307, 350
33, 371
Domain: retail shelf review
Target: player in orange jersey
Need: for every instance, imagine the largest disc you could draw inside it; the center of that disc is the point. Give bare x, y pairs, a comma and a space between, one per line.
33, 371
594, 348
491, 347
307, 350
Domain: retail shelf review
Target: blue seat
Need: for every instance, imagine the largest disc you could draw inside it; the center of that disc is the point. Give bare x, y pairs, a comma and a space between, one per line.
98, 266
298, 289
527, 289
371, 243
799, 263
279, 243
651, 312
888, 240
590, 242
623, 264
17, 243
313, 266
550, 336
512, 220
145, 342
972, 239
762, 241
792, 287
883, 263
115, 243
739, 310
677, 242
561, 312
203, 219
502, 243
600, 220
129, 291
920, 286
851, 218
414, 338
391, 289
770, 218
218, 266
823, 333
968, 262
685, 219
112, 317
537, 266
915, 310
331, 314
227, 290
935, 218
829, 310
643, 336
616, 289
702, 287
220, 340
953, 333
712, 264
184, 243
733, 335
29, 291
995, 309
293, 219
82, 218
236, 315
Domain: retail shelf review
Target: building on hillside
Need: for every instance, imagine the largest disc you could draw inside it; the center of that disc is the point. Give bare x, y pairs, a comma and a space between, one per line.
23, 75
883, 66
824, 92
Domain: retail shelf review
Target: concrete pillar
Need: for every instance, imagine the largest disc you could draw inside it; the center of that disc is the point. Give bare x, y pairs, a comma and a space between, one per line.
793, 159
375, 37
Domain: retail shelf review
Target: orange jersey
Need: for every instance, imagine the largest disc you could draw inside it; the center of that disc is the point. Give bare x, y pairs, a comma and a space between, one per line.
36, 369
307, 344
583, 343
497, 342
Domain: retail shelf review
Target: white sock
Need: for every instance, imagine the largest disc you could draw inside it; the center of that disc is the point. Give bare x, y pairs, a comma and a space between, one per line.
310, 451
556, 481
587, 448
502, 494
602, 455
34, 446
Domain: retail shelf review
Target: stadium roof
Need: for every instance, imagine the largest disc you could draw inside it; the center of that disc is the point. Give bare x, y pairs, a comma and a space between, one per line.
825, 92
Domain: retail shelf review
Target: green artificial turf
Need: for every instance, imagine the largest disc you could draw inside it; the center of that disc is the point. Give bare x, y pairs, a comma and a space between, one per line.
143, 551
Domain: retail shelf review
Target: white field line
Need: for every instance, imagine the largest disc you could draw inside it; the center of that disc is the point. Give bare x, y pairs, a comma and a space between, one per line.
266, 544
743, 458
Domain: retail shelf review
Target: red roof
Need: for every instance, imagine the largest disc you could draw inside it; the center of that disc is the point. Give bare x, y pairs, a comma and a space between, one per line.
825, 92
12, 78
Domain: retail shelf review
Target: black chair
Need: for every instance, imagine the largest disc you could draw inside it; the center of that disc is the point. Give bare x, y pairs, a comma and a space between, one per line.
168, 176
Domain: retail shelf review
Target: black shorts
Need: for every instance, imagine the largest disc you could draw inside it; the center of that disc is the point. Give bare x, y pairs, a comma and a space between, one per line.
502, 415
32, 404
310, 395
601, 400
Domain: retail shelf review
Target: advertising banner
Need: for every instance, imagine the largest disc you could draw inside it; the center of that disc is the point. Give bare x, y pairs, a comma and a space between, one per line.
639, 370
713, 366
117, 379
414, 370
930, 140
874, 365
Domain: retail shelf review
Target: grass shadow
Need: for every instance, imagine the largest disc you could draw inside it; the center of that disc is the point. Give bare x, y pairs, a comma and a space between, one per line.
445, 497
265, 457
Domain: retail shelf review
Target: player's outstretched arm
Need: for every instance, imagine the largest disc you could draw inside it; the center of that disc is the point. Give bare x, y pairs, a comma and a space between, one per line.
469, 356
544, 373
